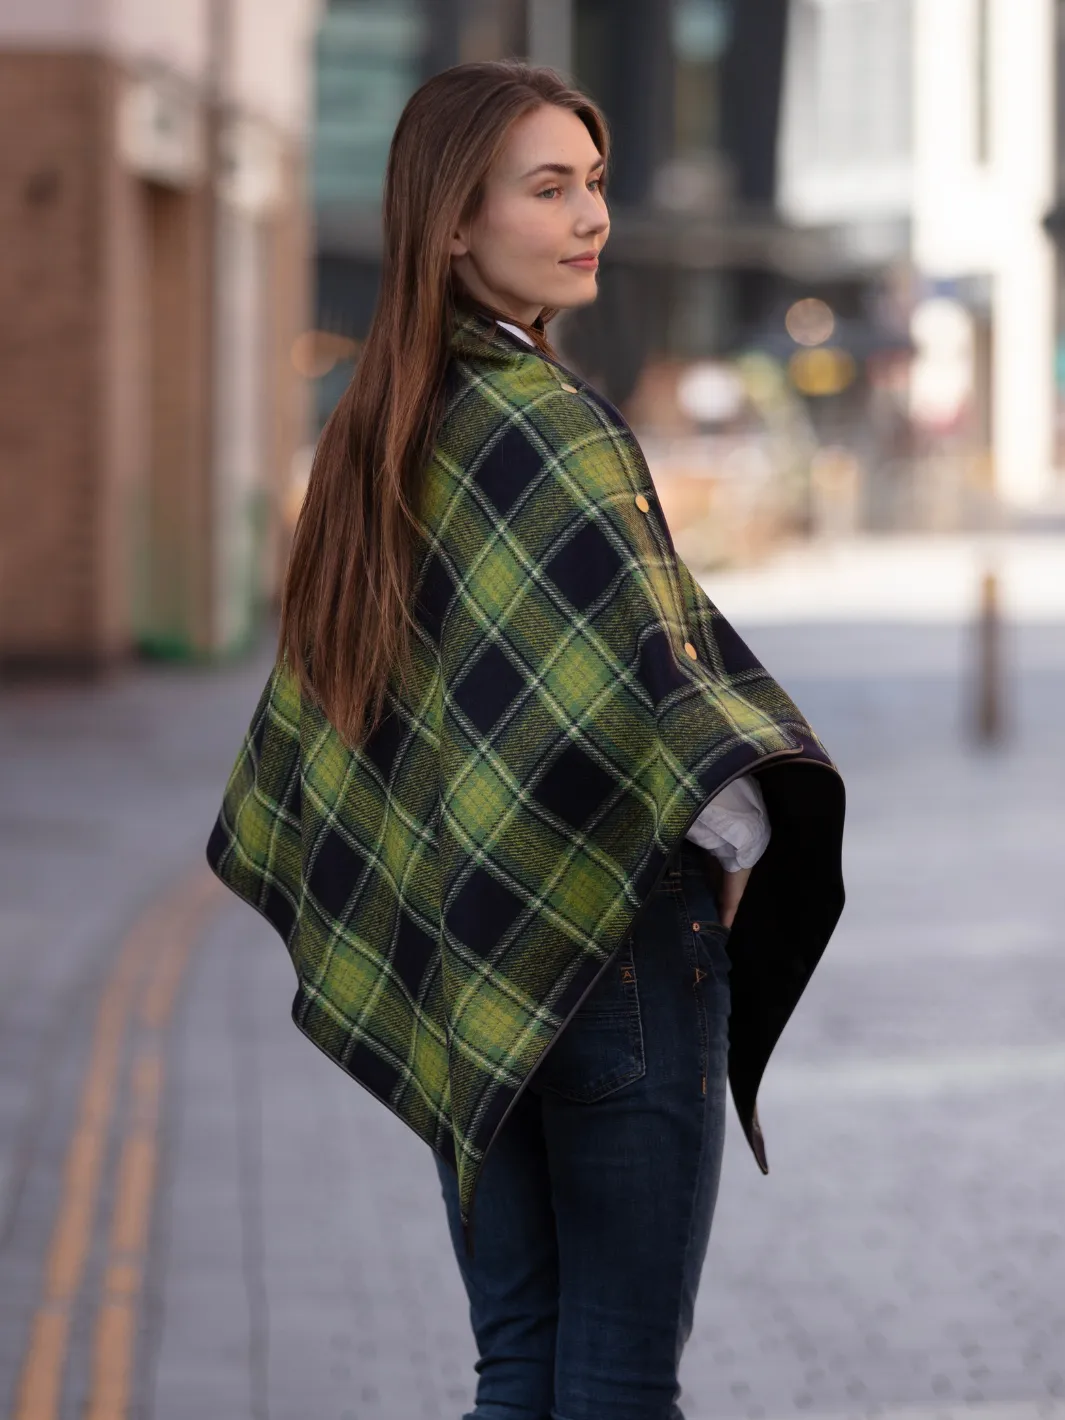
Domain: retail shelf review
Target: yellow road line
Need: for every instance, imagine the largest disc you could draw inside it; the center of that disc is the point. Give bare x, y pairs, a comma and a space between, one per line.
116, 1326
42, 1372
41, 1379
116, 1321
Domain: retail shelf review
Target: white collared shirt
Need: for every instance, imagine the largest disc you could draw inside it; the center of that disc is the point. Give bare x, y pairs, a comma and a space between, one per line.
734, 825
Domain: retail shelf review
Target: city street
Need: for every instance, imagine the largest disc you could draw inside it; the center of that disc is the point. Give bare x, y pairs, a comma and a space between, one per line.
200, 1216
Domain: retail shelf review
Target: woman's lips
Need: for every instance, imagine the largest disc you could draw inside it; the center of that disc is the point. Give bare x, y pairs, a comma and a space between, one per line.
586, 263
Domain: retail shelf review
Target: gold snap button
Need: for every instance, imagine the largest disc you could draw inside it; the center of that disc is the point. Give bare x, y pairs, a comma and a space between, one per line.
691, 651
570, 389
642, 503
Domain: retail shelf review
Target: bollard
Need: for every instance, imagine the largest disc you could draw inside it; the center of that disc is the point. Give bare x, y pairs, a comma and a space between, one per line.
989, 663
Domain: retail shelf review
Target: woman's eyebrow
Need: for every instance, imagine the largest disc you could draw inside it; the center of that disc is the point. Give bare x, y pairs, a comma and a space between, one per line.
563, 169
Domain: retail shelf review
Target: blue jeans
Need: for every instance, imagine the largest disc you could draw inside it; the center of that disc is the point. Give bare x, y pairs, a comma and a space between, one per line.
592, 1215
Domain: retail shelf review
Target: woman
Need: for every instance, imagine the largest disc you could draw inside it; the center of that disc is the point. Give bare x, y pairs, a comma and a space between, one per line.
504, 728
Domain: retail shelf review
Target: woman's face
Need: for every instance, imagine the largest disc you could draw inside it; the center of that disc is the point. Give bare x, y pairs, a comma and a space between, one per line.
516, 255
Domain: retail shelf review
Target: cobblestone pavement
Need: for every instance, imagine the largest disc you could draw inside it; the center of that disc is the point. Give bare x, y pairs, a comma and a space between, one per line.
905, 1256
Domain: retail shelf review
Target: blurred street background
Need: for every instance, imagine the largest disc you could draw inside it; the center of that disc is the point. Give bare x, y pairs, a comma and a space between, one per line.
832, 308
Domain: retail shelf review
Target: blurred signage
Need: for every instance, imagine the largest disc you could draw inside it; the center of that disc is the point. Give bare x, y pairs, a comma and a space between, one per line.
160, 130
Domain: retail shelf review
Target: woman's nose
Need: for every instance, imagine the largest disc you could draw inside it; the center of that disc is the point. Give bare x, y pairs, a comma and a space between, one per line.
595, 221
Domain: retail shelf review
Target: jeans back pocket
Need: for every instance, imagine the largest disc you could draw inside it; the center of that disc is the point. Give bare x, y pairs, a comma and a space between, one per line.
600, 1048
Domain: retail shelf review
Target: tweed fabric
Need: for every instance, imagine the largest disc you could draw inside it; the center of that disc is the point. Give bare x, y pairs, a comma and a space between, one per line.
450, 891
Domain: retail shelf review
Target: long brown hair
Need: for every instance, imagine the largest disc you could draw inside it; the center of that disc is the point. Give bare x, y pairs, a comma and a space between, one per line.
346, 618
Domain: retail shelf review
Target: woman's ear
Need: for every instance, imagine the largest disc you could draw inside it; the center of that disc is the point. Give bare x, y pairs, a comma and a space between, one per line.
459, 243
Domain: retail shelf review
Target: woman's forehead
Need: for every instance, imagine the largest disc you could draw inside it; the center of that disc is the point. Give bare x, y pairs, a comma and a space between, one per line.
548, 135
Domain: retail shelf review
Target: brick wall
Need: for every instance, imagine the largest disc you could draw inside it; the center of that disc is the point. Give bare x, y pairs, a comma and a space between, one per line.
106, 369
51, 115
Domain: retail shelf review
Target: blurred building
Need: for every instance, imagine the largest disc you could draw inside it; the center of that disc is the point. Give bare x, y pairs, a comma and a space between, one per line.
691, 89
984, 157
846, 132
700, 261
846, 169
924, 134
155, 273
369, 59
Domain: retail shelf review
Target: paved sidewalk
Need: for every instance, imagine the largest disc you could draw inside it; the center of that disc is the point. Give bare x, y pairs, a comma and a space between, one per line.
905, 1256
920, 578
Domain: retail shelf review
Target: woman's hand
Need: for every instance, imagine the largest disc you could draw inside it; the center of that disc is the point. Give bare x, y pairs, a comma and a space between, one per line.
732, 885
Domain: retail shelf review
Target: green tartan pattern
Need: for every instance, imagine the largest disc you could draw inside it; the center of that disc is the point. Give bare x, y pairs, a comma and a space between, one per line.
450, 892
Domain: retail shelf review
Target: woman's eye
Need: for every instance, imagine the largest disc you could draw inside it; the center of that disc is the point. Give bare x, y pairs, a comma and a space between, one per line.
597, 181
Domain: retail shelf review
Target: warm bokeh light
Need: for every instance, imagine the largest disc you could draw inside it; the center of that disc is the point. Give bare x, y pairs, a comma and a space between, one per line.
810, 321
826, 370
315, 352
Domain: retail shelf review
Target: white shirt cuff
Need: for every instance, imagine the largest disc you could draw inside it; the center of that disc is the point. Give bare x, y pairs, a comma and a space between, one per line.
734, 825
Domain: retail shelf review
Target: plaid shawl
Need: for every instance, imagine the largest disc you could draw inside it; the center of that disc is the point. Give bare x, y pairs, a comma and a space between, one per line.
451, 891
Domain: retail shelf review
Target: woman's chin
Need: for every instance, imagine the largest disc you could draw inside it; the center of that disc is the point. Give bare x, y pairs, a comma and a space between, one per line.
580, 293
